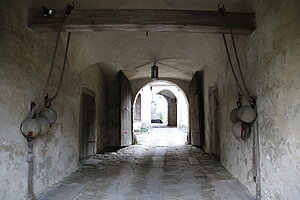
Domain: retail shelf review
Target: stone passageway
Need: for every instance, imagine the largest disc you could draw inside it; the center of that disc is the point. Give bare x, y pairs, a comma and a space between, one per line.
163, 167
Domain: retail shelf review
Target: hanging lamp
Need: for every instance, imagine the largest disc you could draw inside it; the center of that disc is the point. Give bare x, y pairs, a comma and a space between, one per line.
154, 72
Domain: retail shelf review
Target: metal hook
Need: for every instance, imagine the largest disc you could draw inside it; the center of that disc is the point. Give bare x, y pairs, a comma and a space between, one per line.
69, 8
47, 101
222, 10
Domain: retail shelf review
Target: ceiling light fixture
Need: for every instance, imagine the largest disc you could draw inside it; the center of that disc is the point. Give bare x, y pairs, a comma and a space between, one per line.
154, 72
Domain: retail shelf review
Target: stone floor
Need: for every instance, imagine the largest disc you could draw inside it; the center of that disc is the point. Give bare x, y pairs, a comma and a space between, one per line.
163, 167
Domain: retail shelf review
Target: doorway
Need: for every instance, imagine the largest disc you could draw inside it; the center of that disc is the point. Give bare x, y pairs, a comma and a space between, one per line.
214, 122
160, 108
197, 122
87, 124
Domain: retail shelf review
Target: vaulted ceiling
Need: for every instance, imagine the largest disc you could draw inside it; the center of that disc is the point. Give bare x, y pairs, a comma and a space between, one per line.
177, 55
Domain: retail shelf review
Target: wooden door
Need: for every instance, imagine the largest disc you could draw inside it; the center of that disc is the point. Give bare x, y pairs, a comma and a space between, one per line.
196, 97
214, 122
125, 110
87, 124
194, 113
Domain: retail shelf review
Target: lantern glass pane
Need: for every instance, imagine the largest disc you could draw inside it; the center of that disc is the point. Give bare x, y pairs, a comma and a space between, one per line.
154, 72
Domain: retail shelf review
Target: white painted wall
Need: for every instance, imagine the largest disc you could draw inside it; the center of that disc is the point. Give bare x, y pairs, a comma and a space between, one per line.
146, 99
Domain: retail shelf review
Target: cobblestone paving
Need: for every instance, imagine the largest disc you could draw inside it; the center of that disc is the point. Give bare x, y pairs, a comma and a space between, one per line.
163, 169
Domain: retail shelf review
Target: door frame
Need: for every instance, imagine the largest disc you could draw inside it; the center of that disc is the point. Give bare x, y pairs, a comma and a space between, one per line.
80, 146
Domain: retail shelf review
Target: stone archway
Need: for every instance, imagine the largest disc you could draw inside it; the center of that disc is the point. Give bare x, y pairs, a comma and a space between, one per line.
175, 97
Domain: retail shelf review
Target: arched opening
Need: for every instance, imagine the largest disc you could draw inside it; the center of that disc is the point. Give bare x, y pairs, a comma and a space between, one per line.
160, 108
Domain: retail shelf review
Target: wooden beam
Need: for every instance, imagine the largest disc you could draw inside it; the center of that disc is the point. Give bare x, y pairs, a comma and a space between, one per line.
143, 20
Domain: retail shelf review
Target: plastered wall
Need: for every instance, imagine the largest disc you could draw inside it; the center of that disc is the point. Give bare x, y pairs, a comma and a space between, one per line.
275, 65
24, 63
271, 65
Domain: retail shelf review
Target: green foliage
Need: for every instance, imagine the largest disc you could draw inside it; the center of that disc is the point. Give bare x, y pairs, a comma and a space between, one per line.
144, 130
161, 116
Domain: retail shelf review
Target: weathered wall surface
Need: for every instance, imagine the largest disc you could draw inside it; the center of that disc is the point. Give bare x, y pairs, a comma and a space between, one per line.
236, 155
24, 63
271, 64
275, 65
94, 79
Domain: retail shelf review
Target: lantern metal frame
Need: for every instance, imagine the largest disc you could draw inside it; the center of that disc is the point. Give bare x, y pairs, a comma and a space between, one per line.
154, 72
